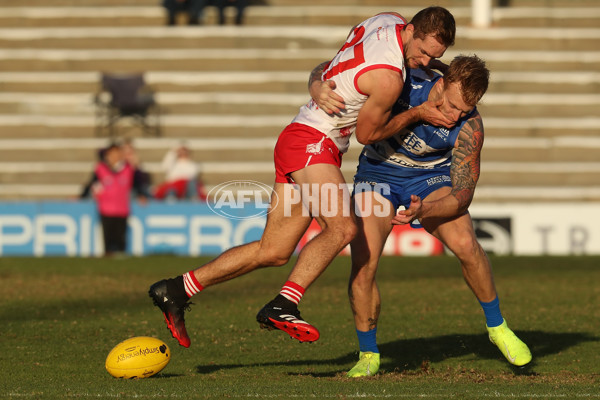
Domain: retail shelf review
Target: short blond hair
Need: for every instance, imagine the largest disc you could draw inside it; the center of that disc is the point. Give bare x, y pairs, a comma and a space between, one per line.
471, 73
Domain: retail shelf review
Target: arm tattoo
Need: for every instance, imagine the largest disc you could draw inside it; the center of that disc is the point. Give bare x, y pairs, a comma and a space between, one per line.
315, 74
464, 171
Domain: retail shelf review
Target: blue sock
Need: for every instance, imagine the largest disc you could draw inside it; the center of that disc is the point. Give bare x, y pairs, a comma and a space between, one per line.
493, 316
367, 341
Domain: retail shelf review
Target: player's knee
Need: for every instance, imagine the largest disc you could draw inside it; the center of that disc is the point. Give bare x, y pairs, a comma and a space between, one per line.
363, 276
273, 258
465, 246
341, 231
348, 231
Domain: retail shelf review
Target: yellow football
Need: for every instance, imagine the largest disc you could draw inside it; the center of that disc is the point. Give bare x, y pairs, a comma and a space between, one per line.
138, 357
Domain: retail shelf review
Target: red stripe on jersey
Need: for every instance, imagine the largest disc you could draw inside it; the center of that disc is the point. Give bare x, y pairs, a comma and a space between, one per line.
399, 29
370, 68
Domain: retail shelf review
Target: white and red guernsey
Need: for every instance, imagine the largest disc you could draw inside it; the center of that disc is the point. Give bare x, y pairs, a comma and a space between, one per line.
374, 43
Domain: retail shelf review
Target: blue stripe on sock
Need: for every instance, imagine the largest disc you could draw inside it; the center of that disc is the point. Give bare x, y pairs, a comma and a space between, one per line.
367, 341
493, 316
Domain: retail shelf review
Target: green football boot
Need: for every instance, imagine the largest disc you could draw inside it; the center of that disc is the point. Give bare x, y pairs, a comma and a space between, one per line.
367, 365
515, 351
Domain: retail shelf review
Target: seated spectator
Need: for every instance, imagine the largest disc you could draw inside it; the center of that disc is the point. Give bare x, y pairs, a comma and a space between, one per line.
240, 5
181, 176
193, 8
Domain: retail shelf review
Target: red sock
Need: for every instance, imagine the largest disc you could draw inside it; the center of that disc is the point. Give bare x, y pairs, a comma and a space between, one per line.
191, 284
292, 291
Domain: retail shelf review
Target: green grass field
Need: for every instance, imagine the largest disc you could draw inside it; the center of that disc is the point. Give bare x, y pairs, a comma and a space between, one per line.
60, 318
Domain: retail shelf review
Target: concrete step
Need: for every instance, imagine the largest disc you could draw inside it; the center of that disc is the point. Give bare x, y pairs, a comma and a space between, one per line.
77, 3
389, 4
256, 59
552, 193
171, 81
346, 16
524, 174
540, 174
572, 16
545, 82
265, 3
544, 3
170, 103
550, 150
235, 125
510, 105
22, 17
279, 37
157, 37
549, 39
507, 149
278, 82
185, 126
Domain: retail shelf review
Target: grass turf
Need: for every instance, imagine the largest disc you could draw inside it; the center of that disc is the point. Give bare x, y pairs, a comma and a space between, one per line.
60, 318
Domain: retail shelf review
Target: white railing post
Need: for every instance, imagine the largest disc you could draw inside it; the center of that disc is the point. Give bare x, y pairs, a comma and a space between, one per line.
481, 13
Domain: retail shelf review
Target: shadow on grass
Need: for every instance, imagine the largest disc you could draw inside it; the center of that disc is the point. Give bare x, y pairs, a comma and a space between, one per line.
411, 354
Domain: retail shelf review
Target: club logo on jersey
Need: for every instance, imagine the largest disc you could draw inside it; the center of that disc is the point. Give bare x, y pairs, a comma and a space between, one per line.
233, 199
347, 131
314, 148
442, 132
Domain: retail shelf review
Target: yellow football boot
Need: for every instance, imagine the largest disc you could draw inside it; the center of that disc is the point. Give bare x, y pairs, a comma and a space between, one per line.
367, 365
515, 351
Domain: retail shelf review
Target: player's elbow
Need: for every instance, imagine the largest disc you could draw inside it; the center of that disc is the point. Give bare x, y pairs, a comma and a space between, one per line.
463, 200
365, 139
463, 205
462, 209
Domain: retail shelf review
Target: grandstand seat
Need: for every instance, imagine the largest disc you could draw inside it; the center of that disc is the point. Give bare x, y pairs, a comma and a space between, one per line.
126, 96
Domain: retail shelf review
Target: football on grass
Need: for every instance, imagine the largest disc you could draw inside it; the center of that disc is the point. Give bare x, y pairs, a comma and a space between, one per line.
138, 357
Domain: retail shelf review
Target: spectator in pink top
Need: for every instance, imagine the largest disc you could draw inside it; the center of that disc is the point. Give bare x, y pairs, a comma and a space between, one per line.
111, 186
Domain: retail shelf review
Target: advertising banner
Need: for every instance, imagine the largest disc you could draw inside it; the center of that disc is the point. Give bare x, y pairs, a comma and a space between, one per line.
193, 229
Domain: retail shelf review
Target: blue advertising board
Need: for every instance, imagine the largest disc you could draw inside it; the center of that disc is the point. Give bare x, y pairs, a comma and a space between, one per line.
73, 229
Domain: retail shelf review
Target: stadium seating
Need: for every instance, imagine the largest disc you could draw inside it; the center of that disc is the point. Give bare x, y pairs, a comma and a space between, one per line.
229, 90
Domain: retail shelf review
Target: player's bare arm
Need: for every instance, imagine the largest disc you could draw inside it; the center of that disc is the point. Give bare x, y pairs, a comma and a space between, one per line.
374, 123
464, 173
369, 129
316, 73
322, 92
429, 113
465, 167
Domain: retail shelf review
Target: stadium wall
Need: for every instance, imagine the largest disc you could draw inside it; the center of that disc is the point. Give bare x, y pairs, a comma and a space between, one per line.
193, 229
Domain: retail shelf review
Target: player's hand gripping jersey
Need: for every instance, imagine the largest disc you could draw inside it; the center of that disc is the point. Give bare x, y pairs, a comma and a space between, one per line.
420, 147
374, 43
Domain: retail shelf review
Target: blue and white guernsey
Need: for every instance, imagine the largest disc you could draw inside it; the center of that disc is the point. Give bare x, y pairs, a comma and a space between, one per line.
420, 147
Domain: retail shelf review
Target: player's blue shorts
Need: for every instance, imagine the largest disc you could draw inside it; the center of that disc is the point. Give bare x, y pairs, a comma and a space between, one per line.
397, 184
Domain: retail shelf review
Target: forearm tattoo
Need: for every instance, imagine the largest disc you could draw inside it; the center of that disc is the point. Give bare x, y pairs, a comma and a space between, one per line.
316, 73
464, 171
